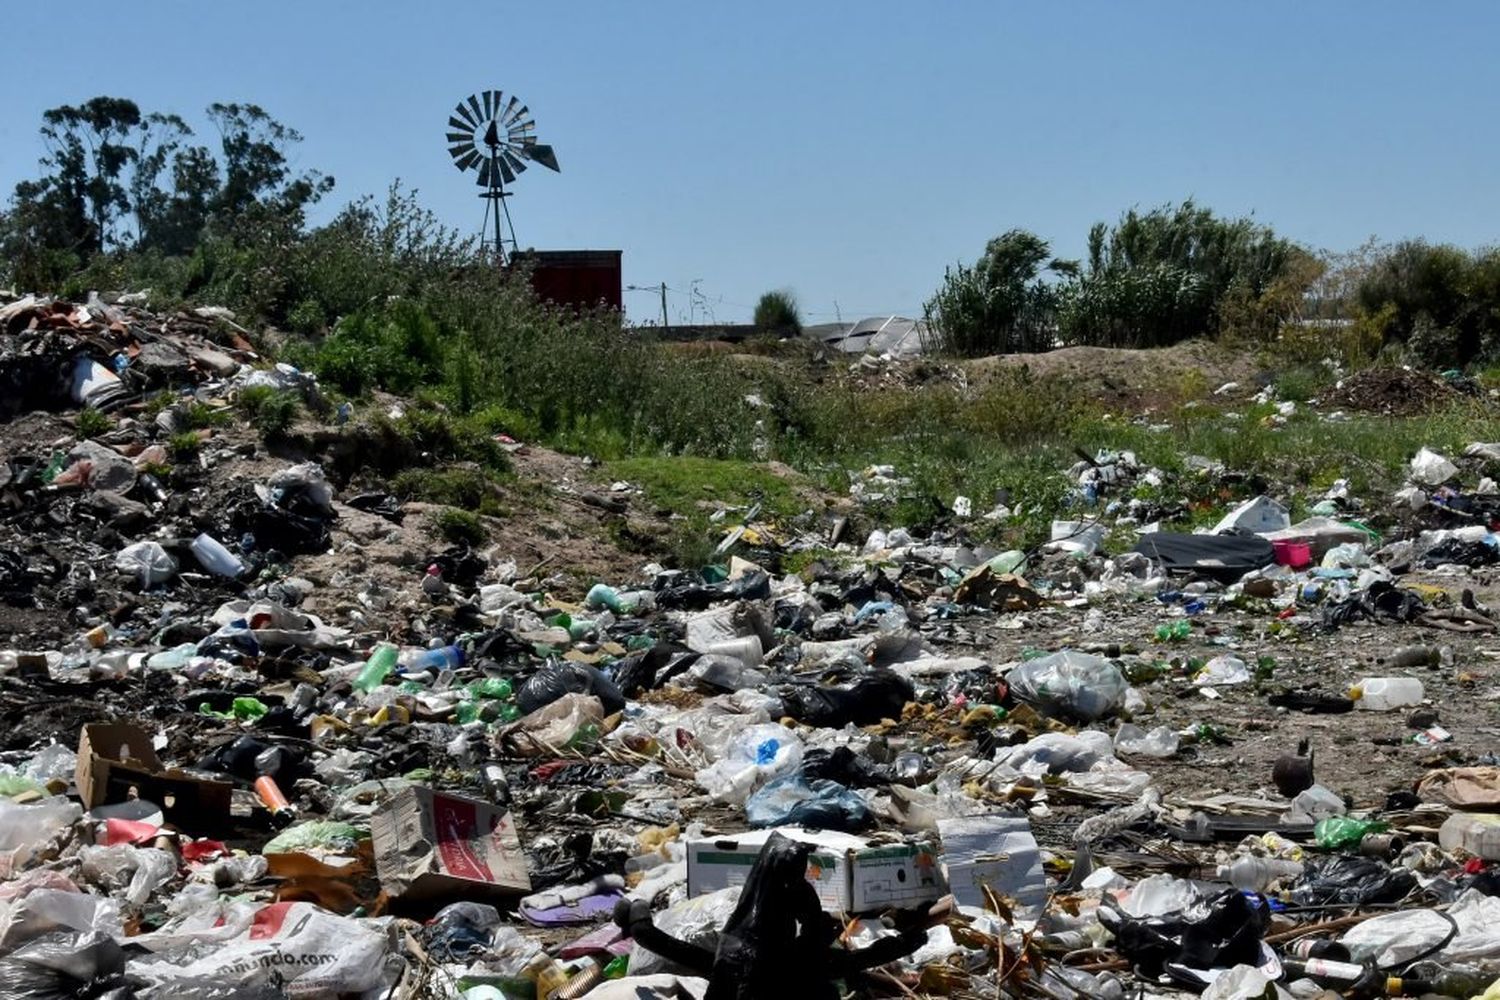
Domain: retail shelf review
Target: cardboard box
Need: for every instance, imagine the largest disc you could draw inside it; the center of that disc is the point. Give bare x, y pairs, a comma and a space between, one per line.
995, 851
432, 845
848, 873
116, 762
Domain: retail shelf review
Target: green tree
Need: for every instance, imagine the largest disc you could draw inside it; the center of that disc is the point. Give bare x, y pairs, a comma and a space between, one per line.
1002, 304
88, 149
777, 310
1440, 301
256, 169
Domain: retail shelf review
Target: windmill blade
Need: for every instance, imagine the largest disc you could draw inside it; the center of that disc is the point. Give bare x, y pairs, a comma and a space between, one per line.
486, 173
464, 118
489, 107
460, 136
517, 131
459, 150
459, 125
517, 165
474, 104
510, 115
467, 161
541, 153
505, 170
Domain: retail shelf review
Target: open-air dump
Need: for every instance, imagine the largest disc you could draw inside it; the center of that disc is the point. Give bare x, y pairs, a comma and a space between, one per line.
315, 696
396, 611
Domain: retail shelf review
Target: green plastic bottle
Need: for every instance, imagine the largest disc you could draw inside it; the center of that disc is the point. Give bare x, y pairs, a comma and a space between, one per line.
376, 669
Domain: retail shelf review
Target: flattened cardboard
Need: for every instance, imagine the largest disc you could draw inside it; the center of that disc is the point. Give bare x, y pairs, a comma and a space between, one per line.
434, 846
116, 759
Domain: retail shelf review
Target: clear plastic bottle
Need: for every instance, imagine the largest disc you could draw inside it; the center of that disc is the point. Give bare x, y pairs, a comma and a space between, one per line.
1385, 694
446, 657
1258, 874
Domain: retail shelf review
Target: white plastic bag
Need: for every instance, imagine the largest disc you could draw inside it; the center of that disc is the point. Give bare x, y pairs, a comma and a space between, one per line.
754, 756
148, 562
302, 947
1070, 683
1431, 469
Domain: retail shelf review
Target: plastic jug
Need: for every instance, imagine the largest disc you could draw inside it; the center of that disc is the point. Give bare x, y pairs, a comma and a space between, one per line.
1477, 833
1383, 694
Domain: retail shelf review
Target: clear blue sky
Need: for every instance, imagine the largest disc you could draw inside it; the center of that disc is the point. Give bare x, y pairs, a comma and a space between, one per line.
846, 151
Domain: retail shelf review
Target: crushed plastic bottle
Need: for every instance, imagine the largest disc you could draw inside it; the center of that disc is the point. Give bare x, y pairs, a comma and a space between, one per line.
1385, 694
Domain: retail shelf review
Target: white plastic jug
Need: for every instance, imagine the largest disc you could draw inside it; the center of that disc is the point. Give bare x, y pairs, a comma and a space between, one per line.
1382, 694
1477, 833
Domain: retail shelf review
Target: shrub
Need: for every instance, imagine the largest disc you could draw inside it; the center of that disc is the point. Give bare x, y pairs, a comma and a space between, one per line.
269, 411
1164, 276
459, 527
777, 310
999, 305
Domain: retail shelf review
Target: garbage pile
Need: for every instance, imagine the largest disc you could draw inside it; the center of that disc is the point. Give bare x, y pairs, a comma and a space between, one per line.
235, 761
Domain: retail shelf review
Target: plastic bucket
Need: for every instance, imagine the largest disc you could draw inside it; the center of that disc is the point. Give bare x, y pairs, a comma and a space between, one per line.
1292, 554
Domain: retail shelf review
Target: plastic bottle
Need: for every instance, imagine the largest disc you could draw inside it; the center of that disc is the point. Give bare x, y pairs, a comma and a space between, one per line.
446, 658
215, 558
1383, 694
1257, 874
602, 595
1412, 656
377, 668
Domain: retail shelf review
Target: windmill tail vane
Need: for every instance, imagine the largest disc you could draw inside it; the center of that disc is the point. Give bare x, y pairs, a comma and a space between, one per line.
494, 135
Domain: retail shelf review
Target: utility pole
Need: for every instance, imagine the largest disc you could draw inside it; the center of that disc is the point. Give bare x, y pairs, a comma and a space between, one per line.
663, 305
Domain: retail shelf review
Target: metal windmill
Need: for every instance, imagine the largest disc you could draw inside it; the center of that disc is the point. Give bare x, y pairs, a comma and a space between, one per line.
495, 137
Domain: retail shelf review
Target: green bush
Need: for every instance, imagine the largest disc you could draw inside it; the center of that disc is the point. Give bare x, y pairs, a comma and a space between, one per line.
465, 489
1440, 302
269, 411
777, 311
92, 423
1000, 305
1160, 277
459, 527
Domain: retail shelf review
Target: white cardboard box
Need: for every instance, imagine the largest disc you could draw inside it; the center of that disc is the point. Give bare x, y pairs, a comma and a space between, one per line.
849, 874
995, 851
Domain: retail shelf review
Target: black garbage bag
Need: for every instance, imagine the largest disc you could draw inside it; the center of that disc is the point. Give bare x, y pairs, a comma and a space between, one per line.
1454, 550
778, 942
459, 565
296, 529
559, 677
383, 504
1352, 880
61, 966
1225, 558
880, 694
640, 671
15, 578
843, 766
1229, 935
1381, 601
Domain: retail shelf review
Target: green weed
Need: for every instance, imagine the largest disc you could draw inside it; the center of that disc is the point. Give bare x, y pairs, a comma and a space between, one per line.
459, 527
91, 423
